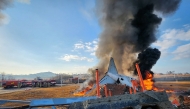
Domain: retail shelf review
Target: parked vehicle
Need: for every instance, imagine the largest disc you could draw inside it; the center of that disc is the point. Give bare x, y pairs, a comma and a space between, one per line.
28, 83
10, 83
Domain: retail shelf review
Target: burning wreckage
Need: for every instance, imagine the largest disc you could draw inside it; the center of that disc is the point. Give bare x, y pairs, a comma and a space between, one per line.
129, 27
129, 84
119, 91
114, 91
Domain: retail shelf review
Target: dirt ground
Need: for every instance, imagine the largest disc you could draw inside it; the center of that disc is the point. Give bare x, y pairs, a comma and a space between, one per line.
37, 93
173, 85
67, 91
179, 88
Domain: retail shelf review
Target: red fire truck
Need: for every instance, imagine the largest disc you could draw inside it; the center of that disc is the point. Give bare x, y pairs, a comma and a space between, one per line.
28, 83
10, 83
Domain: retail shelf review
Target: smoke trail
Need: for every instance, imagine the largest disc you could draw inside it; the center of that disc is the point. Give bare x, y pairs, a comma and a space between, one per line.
3, 5
146, 22
129, 27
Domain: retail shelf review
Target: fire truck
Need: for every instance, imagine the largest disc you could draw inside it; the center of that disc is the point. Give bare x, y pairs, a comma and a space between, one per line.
43, 83
10, 83
28, 83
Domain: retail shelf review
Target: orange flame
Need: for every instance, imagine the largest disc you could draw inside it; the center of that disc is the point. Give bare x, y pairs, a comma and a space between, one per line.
169, 91
148, 82
83, 92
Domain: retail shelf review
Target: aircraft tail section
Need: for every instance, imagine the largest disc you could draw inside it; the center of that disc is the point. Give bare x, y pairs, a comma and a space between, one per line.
112, 68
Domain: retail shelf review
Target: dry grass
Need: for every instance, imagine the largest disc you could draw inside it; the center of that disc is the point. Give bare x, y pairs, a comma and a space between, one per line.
38, 93
174, 85
53, 92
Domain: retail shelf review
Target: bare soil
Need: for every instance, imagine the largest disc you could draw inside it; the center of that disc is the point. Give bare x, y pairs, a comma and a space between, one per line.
173, 85
39, 93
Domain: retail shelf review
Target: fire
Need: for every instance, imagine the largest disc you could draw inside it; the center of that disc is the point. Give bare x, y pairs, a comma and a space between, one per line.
148, 82
169, 91
83, 92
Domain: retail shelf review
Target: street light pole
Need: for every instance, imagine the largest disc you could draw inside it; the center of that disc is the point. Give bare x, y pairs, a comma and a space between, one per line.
78, 78
2, 78
61, 79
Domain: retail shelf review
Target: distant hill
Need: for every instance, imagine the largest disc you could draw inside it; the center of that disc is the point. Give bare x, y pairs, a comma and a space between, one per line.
43, 75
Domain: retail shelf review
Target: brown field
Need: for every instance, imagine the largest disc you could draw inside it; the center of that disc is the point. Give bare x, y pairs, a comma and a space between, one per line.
174, 85
67, 91
179, 88
38, 93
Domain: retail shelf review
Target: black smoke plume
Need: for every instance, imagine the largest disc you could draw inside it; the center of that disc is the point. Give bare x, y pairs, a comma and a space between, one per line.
146, 59
146, 22
128, 27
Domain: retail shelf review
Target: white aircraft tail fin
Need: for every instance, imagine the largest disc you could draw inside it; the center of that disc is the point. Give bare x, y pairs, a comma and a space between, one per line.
112, 68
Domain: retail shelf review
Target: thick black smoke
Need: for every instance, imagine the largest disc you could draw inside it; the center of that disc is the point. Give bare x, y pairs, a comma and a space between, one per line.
146, 60
128, 27
146, 23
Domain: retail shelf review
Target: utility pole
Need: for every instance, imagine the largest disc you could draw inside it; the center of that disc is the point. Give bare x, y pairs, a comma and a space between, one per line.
61, 80
2, 78
78, 78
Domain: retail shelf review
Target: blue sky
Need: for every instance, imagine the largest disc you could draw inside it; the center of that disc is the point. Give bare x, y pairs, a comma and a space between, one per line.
61, 36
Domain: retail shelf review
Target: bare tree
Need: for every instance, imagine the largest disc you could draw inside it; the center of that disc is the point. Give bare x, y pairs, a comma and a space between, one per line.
170, 72
2, 78
2, 75
10, 77
38, 78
